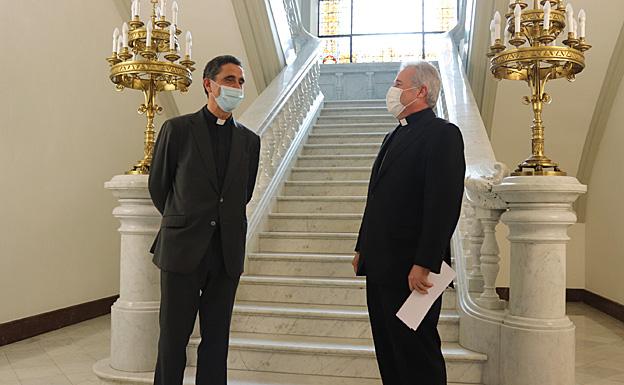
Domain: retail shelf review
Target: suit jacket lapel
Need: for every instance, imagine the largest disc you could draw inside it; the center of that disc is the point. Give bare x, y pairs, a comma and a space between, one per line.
236, 153
199, 128
398, 148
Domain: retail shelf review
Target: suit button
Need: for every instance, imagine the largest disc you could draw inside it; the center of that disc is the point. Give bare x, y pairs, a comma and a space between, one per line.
221, 200
213, 223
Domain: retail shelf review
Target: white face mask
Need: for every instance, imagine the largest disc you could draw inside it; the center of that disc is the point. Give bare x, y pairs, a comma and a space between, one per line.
393, 101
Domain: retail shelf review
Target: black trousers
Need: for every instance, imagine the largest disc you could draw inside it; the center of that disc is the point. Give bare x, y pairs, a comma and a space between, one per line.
210, 291
404, 356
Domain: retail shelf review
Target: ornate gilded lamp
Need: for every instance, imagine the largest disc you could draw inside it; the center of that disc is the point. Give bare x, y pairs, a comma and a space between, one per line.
533, 55
146, 58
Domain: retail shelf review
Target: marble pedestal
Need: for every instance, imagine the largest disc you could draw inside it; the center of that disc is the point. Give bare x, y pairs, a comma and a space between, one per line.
537, 338
134, 316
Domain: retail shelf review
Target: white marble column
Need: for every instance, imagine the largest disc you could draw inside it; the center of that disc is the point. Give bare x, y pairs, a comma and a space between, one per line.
134, 316
537, 338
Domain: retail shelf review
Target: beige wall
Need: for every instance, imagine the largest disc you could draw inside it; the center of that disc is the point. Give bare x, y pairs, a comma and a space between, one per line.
605, 211
64, 132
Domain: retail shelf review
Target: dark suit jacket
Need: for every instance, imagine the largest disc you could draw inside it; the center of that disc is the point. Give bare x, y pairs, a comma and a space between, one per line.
184, 188
414, 201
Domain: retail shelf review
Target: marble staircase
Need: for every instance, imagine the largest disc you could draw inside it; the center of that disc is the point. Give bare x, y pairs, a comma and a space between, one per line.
300, 315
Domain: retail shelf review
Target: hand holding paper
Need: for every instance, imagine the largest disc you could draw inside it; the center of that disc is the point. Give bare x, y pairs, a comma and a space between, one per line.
417, 305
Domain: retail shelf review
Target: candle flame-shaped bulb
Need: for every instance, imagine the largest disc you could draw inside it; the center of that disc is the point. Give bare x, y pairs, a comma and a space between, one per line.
517, 18
115, 39
189, 43
124, 33
582, 18
172, 34
547, 11
174, 12
570, 17
148, 38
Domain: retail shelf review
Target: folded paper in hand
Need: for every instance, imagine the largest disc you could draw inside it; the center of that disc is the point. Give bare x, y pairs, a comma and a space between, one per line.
417, 305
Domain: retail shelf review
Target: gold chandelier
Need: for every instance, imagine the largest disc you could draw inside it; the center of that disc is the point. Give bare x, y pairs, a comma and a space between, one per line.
534, 55
145, 58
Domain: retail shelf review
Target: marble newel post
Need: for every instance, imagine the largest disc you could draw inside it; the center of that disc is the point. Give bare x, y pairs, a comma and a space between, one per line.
134, 316
537, 338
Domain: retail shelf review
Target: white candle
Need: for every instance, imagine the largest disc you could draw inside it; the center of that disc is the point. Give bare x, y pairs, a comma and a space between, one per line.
124, 33
507, 36
157, 13
547, 16
575, 30
119, 45
189, 43
172, 32
570, 18
492, 33
517, 13
134, 8
115, 39
148, 38
162, 8
174, 13
582, 17
497, 25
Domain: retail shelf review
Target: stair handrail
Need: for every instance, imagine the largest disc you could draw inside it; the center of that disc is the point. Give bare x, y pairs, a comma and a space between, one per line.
483, 171
282, 115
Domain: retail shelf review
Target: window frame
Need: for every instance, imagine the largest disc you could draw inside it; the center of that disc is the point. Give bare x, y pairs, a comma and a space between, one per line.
423, 33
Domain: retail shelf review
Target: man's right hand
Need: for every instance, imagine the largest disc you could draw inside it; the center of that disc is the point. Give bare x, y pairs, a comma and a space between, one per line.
355, 262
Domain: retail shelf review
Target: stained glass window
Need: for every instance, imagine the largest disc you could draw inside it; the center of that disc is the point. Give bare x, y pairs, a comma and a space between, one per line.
364, 31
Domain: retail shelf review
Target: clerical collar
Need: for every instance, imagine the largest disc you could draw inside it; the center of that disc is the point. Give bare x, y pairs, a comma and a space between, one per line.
416, 116
213, 119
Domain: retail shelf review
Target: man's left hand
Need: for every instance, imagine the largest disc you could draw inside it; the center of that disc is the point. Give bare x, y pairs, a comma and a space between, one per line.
418, 279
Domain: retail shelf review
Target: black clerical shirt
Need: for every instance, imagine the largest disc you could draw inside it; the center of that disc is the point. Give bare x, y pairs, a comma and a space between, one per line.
221, 139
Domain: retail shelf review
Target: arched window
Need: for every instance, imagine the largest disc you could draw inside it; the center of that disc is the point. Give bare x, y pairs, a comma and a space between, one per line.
364, 31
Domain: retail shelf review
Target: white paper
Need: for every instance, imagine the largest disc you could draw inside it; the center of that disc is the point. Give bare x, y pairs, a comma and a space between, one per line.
417, 305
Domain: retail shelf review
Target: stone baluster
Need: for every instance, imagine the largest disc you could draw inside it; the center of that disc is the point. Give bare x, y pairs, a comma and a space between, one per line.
537, 338
339, 86
490, 259
370, 86
476, 237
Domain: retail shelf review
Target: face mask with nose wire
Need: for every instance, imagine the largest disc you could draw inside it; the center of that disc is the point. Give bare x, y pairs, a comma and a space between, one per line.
229, 98
393, 101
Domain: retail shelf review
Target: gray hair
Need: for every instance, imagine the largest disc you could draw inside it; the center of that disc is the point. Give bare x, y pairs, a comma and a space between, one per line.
425, 75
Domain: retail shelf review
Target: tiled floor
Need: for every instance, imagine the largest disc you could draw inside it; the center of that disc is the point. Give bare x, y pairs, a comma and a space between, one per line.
65, 356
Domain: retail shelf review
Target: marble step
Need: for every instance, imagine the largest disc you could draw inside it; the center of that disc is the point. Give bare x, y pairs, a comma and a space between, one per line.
313, 291
347, 138
353, 128
330, 173
341, 149
354, 110
388, 119
301, 265
319, 321
240, 377
303, 242
336, 160
339, 357
354, 103
315, 223
303, 290
326, 188
328, 204
349, 128
110, 376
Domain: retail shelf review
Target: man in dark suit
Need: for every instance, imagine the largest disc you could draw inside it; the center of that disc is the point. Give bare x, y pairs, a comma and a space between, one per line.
413, 204
202, 177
